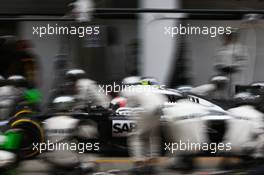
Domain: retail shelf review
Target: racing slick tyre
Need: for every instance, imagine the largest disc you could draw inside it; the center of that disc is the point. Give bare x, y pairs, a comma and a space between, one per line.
32, 133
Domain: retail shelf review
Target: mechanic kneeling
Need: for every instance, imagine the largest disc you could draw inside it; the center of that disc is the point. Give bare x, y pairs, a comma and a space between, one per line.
64, 152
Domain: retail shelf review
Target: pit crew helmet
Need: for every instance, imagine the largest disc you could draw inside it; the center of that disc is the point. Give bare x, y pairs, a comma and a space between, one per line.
75, 74
17, 81
2, 80
220, 81
63, 103
247, 98
257, 88
131, 80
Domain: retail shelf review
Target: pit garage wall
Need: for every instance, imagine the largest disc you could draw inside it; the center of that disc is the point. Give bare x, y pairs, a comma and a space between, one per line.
114, 56
202, 49
45, 49
157, 50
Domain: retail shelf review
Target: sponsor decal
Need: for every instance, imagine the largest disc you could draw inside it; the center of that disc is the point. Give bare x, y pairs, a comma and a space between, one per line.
121, 128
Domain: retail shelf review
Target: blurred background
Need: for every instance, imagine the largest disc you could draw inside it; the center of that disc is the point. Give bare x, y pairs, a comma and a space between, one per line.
131, 44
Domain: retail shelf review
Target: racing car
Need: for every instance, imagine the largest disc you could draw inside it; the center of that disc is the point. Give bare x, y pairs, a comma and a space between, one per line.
190, 117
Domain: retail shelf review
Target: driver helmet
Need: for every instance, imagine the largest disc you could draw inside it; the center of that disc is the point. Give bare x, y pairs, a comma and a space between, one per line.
149, 81
118, 102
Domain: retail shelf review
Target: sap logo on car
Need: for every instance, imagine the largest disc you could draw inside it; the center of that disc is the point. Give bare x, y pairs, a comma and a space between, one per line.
121, 128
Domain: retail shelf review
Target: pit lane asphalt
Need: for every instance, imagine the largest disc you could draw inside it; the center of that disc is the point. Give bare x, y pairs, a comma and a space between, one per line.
106, 164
